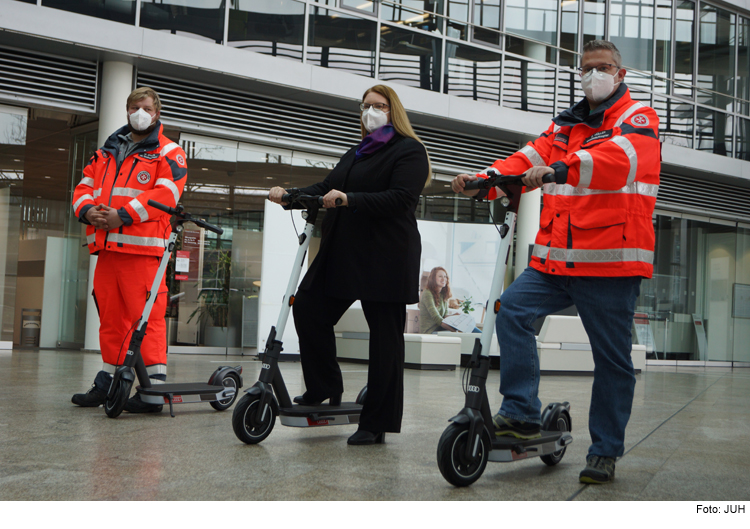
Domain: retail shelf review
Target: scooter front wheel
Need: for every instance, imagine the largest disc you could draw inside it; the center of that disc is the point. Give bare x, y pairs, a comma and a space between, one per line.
113, 408
229, 381
455, 467
245, 423
562, 424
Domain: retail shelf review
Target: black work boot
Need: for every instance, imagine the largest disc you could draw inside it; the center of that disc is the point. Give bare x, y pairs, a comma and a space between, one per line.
136, 405
598, 470
97, 395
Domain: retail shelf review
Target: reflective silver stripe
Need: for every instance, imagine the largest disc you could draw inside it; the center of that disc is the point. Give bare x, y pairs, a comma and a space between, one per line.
83, 198
586, 170
166, 182
97, 193
629, 112
87, 180
626, 146
533, 156
158, 369
91, 239
136, 241
540, 251
168, 147
109, 368
619, 255
138, 207
556, 128
126, 192
634, 188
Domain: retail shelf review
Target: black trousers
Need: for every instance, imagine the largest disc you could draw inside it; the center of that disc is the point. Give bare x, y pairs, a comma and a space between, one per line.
315, 314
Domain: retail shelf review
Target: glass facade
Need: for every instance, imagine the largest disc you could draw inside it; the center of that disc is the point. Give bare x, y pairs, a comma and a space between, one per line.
273, 27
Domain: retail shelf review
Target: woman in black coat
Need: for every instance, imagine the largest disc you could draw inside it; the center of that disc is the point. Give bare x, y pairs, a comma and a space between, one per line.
370, 251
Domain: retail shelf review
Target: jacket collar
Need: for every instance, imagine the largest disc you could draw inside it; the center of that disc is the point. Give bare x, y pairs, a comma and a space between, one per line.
149, 144
580, 112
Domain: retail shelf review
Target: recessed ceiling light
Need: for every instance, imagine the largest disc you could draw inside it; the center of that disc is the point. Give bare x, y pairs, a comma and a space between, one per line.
269, 178
47, 177
204, 168
16, 160
229, 209
38, 196
61, 149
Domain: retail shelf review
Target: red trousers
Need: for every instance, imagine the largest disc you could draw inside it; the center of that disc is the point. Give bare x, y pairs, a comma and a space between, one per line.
121, 283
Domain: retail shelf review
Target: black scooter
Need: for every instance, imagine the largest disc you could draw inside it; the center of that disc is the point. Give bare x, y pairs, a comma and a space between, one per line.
255, 414
469, 441
221, 389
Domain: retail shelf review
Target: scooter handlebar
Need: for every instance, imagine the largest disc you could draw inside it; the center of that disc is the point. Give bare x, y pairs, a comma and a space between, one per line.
295, 201
496, 179
185, 216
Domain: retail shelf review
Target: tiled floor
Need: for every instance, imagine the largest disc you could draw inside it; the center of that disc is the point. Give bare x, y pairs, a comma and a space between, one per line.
688, 439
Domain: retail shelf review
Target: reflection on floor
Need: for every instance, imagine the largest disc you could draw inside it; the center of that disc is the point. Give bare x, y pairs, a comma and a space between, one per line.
687, 440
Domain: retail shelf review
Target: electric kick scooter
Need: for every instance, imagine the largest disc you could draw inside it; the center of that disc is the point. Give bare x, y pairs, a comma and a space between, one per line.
469, 441
221, 389
255, 414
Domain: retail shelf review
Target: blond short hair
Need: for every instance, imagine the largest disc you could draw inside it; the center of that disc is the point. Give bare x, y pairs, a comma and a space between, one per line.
142, 93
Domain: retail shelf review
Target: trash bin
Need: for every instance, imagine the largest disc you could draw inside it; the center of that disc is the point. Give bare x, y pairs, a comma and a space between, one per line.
31, 326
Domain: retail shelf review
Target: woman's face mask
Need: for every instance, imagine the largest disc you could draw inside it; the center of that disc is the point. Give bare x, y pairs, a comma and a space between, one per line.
140, 120
598, 85
373, 118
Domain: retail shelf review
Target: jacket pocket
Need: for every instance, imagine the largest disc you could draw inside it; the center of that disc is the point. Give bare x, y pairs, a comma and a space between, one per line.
598, 230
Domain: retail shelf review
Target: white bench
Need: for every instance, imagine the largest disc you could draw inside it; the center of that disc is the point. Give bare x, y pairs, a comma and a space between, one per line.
422, 351
564, 347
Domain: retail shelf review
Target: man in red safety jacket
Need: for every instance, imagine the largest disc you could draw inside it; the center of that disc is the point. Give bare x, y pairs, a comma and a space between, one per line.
136, 164
594, 245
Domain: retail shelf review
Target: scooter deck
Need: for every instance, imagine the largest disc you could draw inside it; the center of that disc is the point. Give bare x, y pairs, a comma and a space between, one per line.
508, 448
323, 415
188, 388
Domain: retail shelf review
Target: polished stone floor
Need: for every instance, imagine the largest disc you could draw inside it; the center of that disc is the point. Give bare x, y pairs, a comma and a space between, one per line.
688, 439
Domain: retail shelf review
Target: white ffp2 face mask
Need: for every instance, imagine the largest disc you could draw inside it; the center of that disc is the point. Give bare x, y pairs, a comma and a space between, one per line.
140, 120
598, 85
372, 119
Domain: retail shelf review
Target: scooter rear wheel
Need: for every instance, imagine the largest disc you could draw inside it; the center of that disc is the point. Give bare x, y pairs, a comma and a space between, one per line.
113, 408
561, 425
455, 467
229, 381
244, 423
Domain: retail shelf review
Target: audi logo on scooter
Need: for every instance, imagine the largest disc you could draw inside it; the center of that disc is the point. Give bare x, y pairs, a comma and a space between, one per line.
129, 353
266, 366
474, 389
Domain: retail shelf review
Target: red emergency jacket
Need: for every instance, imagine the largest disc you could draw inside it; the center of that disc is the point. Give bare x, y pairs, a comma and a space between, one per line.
599, 223
156, 170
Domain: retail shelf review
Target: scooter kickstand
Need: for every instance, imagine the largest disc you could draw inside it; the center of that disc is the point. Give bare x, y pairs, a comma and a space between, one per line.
171, 407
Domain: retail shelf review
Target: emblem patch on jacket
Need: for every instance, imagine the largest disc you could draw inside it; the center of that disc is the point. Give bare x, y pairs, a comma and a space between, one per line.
144, 177
640, 120
601, 135
149, 155
180, 159
562, 138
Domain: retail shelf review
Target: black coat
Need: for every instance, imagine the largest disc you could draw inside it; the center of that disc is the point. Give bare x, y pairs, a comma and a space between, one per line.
371, 250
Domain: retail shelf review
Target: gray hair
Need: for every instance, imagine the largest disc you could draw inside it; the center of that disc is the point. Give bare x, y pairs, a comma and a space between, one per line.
594, 45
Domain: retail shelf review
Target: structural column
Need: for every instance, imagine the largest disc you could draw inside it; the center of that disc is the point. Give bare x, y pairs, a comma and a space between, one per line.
116, 85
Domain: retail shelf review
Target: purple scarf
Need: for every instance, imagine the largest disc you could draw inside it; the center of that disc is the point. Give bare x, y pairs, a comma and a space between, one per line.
375, 140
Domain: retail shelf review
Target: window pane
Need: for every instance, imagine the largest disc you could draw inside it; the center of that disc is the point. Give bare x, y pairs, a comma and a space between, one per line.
532, 50
340, 41
743, 65
472, 73
535, 19
569, 27
487, 15
716, 60
193, 18
714, 132
528, 86
631, 27
569, 90
362, 5
663, 62
593, 20
683, 61
743, 139
410, 58
117, 10
273, 27
457, 11
676, 121
413, 13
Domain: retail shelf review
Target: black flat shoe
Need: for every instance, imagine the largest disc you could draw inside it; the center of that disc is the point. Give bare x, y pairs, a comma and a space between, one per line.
332, 401
363, 437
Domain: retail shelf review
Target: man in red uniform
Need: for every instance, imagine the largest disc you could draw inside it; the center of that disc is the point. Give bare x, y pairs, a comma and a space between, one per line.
136, 164
594, 245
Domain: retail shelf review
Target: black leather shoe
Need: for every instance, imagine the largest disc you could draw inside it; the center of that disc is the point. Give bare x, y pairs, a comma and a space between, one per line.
302, 400
363, 437
136, 405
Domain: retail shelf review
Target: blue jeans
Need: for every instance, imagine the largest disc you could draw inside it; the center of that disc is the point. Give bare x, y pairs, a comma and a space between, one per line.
606, 306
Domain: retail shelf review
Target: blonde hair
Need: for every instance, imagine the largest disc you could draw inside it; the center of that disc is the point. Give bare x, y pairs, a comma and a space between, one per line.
142, 93
399, 119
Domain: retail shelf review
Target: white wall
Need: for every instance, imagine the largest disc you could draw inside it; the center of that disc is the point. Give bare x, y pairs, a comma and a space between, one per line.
52, 292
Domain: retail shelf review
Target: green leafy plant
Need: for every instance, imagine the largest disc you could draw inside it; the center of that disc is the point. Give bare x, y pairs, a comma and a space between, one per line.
214, 301
466, 305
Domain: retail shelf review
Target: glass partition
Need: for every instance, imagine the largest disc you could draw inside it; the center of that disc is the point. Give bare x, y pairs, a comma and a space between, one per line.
716, 57
487, 18
410, 58
684, 23
117, 10
713, 132
202, 19
743, 66
457, 12
273, 27
663, 45
676, 121
472, 72
528, 86
631, 29
593, 20
341, 41
413, 13
569, 33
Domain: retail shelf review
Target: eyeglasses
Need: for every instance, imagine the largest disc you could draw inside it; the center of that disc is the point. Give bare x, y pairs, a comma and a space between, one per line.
376, 106
601, 68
